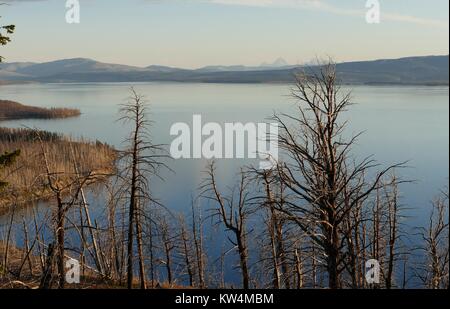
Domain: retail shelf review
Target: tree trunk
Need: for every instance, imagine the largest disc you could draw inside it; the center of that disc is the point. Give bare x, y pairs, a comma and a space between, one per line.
60, 232
142, 275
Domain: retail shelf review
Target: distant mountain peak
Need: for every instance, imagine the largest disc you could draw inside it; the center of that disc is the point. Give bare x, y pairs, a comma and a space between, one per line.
162, 68
429, 70
279, 62
73, 60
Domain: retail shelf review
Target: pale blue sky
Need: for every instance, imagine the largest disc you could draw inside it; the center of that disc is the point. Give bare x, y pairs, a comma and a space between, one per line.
194, 33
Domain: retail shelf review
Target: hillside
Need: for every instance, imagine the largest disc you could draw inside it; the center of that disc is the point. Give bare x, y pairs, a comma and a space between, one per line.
26, 176
429, 70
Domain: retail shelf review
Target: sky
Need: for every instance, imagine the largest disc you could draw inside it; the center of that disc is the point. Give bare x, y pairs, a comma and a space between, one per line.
196, 33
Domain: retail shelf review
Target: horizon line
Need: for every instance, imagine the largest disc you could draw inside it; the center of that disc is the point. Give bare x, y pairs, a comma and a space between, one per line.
223, 65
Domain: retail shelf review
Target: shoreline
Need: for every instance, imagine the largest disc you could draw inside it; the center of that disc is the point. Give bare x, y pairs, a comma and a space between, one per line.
11, 110
25, 178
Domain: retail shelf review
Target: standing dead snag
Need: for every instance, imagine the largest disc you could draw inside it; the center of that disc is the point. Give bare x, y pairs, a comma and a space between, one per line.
186, 251
197, 234
55, 186
233, 212
71, 186
168, 246
393, 215
134, 112
275, 231
140, 161
8, 238
84, 209
319, 172
116, 238
271, 196
436, 238
47, 272
381, 233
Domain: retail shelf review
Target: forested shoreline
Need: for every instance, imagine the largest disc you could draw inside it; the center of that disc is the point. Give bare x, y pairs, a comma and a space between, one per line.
10, 110
21, 172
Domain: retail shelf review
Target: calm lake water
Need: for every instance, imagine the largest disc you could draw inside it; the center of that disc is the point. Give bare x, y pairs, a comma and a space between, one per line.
400, 123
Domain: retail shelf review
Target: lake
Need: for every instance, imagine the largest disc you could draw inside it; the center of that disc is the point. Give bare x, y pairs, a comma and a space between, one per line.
399, 124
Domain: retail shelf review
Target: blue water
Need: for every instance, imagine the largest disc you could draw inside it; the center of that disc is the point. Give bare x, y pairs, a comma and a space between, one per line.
399, 124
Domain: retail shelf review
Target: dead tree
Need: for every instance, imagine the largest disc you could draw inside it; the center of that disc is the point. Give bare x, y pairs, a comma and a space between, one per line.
29, 249
47, 274
436, 238
140, 248
271, 198
140, 161
168, 241
8, 237
393, 215
61, 184
318, 169
55, 186
187, 251
233, 212
381, 233
115, 238
197, 234
299, 269
84, 211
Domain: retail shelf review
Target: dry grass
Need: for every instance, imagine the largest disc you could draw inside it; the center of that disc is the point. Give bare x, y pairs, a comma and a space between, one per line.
30, 277
25, 178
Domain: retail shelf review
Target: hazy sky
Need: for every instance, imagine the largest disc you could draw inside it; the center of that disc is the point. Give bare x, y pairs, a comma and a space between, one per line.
194, 33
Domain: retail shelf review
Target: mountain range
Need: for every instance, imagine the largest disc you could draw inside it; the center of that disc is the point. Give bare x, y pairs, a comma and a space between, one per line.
425, 70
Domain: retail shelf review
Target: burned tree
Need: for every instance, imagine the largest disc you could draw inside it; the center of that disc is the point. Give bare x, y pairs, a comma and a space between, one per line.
197, 235
186, 245
324, 183
276, 234
233, 212
66, 188
436, 237
139, 162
